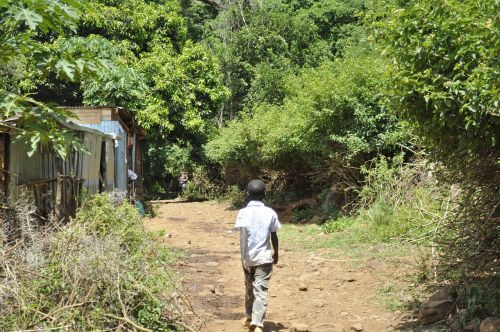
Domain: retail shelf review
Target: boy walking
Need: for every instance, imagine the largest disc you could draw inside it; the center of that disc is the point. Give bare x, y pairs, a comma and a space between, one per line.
257, 224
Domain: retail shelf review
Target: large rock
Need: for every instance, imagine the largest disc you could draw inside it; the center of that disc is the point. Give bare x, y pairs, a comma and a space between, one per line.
439, 305
444, 293
472, 326
490, 324
435, 311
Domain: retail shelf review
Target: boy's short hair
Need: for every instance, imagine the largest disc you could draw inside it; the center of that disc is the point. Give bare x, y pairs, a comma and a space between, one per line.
256, 189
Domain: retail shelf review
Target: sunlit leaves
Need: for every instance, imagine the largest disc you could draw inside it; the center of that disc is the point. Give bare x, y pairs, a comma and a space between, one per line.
259, 45
37, 123
23, 24
189, 84
335, 110
29, 17
445, 71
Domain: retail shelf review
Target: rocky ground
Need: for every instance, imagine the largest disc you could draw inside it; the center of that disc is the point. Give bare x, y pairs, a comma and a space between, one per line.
308, 292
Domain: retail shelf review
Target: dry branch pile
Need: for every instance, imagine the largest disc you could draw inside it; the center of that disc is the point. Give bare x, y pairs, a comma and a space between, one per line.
101, 271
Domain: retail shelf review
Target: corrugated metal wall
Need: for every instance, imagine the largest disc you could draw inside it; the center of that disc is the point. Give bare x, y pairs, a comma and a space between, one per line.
22, 168
110, 164
45, 164
115, 129
91, 162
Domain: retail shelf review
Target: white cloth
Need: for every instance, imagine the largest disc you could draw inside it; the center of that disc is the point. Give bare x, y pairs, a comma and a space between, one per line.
131, 175
255, 223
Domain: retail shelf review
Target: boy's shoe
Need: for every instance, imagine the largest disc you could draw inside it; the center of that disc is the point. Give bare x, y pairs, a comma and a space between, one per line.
254, 328
246, 322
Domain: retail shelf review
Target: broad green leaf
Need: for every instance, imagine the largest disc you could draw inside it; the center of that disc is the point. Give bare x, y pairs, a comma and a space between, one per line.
29, 17
65, 69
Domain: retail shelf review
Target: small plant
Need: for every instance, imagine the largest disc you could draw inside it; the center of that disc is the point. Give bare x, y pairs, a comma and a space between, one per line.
337, 225
235, 197
200, 187
151, 209
303, 215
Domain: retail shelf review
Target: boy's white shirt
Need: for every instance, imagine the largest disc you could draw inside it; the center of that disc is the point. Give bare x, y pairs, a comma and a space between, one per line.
255, 223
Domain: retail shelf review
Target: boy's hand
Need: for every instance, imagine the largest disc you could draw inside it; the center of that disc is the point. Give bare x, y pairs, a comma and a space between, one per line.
275, 258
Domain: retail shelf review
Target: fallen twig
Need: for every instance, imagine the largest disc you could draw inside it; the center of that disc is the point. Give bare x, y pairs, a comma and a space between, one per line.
185, 326
46, 329
67, 307
129, 321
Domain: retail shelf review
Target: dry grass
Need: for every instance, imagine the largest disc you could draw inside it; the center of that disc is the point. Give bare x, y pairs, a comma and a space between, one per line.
101, 271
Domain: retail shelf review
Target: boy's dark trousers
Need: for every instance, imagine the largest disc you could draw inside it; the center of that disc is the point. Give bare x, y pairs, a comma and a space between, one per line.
256, 284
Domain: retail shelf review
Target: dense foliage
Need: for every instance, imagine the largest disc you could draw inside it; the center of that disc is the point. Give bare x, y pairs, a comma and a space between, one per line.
332, 112
329, 99
29, 52
142, 59
307, 96
445, 57
259, 44
445, 74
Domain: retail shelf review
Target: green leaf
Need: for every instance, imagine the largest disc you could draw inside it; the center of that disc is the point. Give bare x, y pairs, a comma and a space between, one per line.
65, 69
29, 17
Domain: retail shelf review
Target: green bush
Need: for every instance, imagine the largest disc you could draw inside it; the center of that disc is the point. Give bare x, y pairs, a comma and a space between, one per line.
397, 202
444, 70
322, 119
337, 225
235, 197
445, 79
200, 186
99, 271
303, 215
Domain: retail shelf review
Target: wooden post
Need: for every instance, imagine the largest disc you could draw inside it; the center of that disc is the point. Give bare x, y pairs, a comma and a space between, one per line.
59, 198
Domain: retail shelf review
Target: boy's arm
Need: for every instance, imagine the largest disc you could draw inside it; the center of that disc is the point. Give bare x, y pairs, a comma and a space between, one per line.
274, 242
243, 246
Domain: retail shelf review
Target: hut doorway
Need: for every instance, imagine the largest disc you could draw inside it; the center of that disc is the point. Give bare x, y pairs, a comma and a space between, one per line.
102, 168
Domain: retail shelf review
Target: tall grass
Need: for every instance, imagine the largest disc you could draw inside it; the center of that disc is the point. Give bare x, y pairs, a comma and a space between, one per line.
399, 201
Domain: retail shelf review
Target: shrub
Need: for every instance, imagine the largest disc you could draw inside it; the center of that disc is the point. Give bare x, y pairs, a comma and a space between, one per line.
100, 271
303, 214
337, 225
235, 197
321, 120
445, 79
397, 201
200, 186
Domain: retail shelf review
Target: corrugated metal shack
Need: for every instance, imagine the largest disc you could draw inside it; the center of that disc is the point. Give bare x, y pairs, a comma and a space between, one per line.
53, 183
129, 140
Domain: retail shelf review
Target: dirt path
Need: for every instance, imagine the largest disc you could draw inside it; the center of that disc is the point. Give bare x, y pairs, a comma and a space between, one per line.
340, 296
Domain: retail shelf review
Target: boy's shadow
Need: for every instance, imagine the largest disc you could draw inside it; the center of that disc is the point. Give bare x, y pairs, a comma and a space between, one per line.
273, 327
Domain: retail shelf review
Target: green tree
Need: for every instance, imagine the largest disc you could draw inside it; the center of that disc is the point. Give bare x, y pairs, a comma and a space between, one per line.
171, 84
445, 80
260, 43
27, 33
331, 114
445, 71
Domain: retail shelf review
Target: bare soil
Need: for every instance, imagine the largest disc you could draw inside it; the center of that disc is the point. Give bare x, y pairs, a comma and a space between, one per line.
341, 294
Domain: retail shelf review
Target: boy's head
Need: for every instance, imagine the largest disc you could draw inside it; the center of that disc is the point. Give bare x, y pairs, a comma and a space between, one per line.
256, 190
